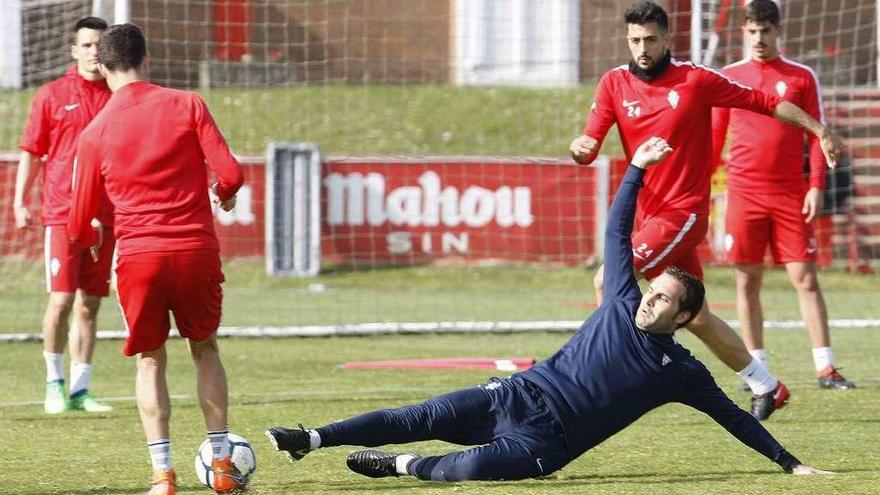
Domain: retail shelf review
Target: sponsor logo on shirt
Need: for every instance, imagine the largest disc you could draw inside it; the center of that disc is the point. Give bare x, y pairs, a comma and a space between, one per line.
71, 106
673, 98
781, 88
632, 108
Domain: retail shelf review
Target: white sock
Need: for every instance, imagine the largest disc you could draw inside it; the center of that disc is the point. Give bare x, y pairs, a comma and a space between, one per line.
758, 378
54, 366
314, 440
219, 443
401, 462
823, 357
80, 377
160, 453
760, 355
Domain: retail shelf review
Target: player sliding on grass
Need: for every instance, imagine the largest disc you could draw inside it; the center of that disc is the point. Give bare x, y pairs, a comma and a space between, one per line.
768, 200
147, 152
621, 363
656, 94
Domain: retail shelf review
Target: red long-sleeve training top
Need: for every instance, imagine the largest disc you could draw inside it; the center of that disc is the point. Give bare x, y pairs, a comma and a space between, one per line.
767, 155
677, 106
147, 149
60, 111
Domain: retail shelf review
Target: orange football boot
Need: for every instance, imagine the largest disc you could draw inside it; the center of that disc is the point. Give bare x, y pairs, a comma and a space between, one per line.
226, 476
164, 483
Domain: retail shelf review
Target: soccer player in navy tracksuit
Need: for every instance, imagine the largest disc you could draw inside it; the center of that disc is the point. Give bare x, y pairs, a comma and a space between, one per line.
621, 363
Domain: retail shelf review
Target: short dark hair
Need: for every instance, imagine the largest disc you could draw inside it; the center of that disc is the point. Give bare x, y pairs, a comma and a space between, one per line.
645, 12
122, 47
694, 292
95, 23
761, 11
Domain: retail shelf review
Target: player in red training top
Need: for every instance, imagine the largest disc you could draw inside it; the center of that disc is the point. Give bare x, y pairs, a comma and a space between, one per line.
76, 283
768, 201
147, 152
658, 95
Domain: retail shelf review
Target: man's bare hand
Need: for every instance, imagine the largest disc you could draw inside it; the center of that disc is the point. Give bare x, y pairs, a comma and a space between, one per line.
582, 148
832, 147
804, 470
812, 204
96, 248
227, 205
23, 218
650, 152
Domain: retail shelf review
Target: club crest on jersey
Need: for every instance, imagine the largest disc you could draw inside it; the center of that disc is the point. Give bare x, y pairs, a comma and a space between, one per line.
673, 98
728, 242
781, 88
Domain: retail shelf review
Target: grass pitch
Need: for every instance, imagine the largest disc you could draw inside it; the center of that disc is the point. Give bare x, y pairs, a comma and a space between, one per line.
416, 119
672, 450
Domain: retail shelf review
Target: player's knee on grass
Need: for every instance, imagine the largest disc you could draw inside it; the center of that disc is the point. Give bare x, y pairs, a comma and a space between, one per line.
477, 466
503, 459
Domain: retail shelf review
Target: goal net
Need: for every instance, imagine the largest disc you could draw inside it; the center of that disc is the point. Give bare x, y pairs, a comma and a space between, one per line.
445, 195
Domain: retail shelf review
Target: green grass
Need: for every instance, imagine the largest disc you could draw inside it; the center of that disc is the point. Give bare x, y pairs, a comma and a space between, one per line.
384, 119
673, 450
430, 294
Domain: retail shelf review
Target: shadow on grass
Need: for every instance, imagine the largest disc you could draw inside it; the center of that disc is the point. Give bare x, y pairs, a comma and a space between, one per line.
361, 485
107, 490
653, 478
369, 486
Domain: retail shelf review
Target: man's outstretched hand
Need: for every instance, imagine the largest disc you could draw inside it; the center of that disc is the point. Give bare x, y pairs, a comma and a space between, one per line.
650, 152
804, 470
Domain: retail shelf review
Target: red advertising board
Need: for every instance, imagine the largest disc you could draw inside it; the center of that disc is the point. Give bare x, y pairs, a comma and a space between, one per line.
240, 231
406, 210
402, 211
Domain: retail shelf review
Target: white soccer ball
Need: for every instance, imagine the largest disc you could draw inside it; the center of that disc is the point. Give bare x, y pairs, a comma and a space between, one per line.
242, 458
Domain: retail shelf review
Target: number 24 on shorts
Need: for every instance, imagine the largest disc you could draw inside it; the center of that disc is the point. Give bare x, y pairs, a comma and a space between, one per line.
643, 252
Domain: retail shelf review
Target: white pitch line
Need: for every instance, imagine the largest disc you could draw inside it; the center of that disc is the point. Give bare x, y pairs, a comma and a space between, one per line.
361, 393
285, 394
425, 327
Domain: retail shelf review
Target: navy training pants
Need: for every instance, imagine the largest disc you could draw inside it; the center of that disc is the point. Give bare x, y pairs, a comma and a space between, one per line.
517, 435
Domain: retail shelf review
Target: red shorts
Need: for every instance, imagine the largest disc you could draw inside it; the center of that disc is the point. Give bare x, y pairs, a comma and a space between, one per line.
755, 220
70, 267
185, 283
669, 238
